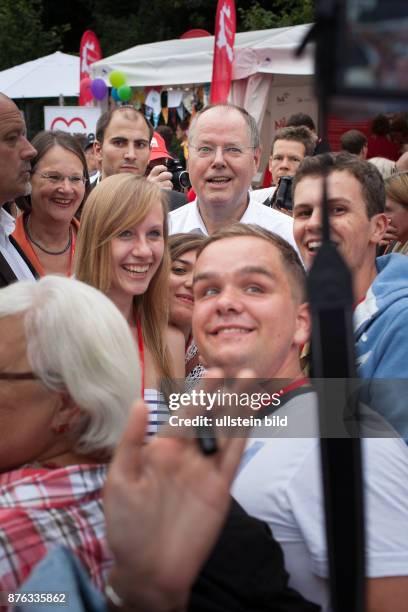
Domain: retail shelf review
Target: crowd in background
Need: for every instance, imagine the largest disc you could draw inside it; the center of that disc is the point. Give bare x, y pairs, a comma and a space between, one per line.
124, 280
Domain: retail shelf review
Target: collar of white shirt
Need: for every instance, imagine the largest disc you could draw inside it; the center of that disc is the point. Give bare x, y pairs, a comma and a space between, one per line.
7, 226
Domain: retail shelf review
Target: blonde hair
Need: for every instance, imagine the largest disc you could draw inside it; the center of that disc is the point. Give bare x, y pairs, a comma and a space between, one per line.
117, 203
396, 187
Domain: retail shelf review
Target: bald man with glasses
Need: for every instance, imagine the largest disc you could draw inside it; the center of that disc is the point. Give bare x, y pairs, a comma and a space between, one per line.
224, 155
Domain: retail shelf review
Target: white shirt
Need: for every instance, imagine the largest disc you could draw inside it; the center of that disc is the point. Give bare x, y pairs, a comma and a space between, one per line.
279, 482
260, 195
10, 254
187, 219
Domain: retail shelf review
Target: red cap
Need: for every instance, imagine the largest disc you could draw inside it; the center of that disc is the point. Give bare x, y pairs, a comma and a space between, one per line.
158, 147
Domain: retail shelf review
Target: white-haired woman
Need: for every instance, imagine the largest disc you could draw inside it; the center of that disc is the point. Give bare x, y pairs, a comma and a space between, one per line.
69, 374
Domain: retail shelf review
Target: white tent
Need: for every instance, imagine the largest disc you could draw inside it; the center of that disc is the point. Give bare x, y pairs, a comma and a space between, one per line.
189, 60
46, 77
267, 79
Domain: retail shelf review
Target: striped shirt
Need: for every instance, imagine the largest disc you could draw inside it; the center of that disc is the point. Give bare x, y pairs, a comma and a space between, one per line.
158, 411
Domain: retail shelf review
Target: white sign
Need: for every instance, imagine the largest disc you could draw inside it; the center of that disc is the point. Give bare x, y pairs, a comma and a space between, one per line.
72, 119
289, 100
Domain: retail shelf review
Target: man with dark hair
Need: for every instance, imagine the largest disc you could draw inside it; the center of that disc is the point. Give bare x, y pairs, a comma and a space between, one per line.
321, 146
15, 171
356, 198
285, 154
289, 146
123, 144
379, 142
355, 142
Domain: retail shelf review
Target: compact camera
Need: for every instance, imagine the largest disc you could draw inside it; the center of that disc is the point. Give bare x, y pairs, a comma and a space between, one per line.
283, 193
180, 178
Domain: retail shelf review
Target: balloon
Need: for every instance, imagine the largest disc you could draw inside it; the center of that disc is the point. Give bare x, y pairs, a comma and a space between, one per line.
125, 92
84, 85
115, 94
99, 89
117, 78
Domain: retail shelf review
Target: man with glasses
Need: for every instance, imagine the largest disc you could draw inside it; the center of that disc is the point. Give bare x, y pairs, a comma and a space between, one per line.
15, 155
224, 154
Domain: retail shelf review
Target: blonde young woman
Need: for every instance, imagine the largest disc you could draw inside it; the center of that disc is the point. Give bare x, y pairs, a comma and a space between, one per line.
122, 251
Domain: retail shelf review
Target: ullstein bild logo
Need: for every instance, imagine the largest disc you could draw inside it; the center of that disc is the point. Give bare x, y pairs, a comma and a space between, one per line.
228, 421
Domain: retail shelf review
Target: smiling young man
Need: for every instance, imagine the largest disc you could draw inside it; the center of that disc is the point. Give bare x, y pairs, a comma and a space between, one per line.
356, 198
224, 154
248, 295
249, 312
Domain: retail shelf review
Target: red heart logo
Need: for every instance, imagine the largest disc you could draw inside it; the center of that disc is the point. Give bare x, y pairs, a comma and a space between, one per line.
68, 123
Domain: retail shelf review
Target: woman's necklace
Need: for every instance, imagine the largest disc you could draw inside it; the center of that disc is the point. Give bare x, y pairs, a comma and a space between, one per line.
64, 250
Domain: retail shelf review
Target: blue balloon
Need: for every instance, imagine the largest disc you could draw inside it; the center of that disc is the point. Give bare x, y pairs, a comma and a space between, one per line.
115, 94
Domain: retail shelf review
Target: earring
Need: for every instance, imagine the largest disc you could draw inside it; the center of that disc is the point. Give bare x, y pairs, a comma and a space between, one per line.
61, 429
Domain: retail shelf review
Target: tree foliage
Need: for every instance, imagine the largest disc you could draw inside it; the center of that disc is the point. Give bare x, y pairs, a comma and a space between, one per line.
284, 13
32, 28
23, 36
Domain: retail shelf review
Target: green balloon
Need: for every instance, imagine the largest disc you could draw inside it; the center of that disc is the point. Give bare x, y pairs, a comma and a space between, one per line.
125, 92
117, 78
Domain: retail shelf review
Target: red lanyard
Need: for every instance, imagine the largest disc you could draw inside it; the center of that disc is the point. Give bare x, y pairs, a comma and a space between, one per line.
141, 350
71, 256
295, 385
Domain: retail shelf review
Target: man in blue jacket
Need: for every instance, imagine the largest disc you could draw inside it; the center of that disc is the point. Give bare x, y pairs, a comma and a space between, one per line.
356, 198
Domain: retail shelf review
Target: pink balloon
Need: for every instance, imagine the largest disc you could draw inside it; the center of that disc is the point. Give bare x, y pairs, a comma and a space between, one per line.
85, 85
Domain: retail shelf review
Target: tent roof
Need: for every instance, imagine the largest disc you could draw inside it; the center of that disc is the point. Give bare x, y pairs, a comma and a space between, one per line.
186, 61
46, 77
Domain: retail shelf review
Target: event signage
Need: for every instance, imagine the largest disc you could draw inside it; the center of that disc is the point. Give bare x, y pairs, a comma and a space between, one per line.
72, 119
225, 25
89, 52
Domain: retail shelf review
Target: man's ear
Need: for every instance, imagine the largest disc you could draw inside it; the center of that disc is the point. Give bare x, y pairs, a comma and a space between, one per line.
67, 415
97, 149
303, 325
379, 224
257, 157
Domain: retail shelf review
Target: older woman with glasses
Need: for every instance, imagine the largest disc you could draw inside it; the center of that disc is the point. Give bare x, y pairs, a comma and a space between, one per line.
69, 374
47, 230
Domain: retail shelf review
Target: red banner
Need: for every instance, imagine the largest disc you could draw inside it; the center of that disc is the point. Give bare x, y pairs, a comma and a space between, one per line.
225, 25
89, 52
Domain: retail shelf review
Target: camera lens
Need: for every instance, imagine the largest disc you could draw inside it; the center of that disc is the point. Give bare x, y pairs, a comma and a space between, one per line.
184, 179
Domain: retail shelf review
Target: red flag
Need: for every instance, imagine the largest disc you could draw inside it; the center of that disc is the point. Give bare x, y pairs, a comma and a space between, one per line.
225, 25
89, 52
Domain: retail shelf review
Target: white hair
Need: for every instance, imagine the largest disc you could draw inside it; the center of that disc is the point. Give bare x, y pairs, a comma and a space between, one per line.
79, 343
386, 167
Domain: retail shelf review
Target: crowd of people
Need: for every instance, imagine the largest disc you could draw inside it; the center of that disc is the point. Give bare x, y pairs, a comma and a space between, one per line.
117, 294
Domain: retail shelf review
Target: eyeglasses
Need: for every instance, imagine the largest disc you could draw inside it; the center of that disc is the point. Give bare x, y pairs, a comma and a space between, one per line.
209, 151
56, 178
18, 376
